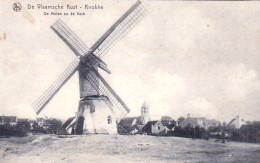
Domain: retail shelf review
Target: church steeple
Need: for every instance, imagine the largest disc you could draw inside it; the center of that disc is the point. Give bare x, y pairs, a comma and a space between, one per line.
145, 113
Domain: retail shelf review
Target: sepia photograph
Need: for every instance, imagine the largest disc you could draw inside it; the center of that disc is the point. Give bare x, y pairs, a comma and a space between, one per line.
129, 81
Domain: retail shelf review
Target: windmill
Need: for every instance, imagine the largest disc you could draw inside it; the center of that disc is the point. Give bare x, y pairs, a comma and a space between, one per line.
92, 85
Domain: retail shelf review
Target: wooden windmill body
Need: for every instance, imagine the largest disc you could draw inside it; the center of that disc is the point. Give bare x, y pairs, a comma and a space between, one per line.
99, 106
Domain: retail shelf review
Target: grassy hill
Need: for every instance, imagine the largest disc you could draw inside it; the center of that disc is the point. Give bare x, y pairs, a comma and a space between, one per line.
118, 148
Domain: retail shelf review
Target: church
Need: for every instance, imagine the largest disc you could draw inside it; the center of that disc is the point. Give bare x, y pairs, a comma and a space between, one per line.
136, 124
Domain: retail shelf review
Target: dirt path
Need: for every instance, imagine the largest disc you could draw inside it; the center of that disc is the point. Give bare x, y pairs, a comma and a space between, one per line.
117, 148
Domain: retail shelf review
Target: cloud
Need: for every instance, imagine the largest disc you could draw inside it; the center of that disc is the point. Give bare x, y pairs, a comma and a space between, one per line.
236, 82
200, 107
166, 84
165, 90
184, 58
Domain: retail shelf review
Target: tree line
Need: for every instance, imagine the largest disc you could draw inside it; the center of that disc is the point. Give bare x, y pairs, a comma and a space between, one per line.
23, 127
249, 132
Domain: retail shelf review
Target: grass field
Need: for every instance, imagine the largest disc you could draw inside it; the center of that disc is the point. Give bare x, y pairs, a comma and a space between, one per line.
118, 148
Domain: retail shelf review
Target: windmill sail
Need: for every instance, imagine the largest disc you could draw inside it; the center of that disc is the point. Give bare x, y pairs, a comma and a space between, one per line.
71, 39
90, 59
45, 98
120, 28
117, 106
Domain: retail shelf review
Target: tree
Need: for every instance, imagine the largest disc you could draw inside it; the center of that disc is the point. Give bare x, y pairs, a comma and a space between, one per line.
23, 126
35, 125
180, 119
36, 128
7, 130
247, 133
121, 130
166, 118
53, 125
178, 131
188, 131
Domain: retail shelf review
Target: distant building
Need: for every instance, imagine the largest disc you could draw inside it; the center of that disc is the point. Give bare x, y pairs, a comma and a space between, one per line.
149, 127
131, 121
43, 122
199, 122
26, 120
158, 127
12, 120
31, 123
22, 120
237, 122
40, 122
193, 122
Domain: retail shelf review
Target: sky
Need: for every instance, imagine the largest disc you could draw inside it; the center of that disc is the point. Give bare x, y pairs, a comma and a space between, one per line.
200, 58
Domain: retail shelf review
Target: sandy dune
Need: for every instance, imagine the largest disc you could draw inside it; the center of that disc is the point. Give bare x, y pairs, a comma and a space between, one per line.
118, 148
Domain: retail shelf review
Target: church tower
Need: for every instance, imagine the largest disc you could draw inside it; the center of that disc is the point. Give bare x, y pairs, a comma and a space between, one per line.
145, 117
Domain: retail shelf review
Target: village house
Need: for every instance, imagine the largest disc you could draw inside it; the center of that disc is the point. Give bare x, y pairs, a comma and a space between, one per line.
31, 123
131, 121
199, 122
22, 120
158, 128
147, 129
12, 120
40, 122
237, 122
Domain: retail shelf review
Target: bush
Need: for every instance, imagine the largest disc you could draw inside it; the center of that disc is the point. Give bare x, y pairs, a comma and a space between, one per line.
124, 129
23, 126
247, 133
190, 132
121, 130
54, 126
178, 131
8, 130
